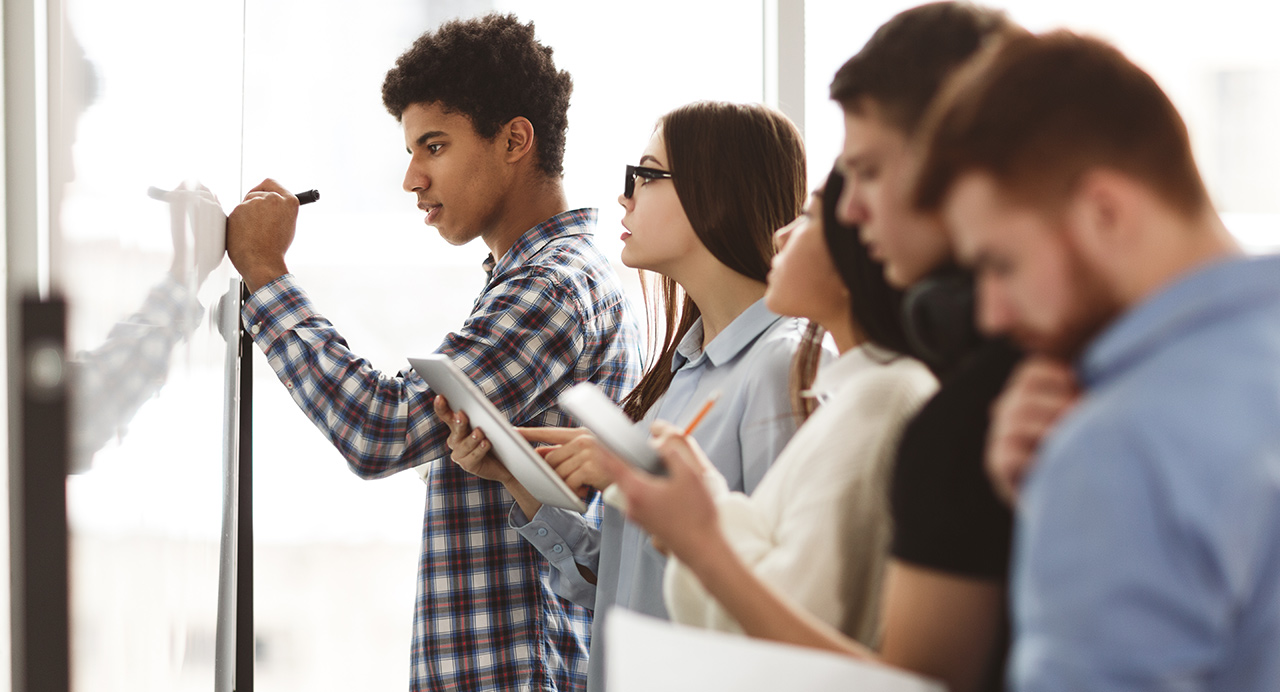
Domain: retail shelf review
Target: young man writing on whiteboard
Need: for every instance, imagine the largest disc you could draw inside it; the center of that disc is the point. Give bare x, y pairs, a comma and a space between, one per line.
484, 114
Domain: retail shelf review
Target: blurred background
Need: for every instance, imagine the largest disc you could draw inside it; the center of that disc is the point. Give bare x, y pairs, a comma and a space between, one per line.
213, 96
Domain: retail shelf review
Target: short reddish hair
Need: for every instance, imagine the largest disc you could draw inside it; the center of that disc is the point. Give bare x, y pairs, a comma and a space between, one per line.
1038, 112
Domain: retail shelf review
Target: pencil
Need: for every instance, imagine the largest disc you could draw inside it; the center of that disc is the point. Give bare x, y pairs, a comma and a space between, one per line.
702, 413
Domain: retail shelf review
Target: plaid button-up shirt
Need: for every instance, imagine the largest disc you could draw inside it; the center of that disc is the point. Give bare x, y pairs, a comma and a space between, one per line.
551, 315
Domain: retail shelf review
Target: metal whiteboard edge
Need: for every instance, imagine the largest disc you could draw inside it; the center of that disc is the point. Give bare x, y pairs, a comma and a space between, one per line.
224, 657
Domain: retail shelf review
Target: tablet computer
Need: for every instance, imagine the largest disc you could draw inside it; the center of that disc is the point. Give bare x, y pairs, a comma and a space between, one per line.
616, 431
515, 452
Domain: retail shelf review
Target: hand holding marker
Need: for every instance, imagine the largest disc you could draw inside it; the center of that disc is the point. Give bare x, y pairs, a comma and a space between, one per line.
303, 197
172, 196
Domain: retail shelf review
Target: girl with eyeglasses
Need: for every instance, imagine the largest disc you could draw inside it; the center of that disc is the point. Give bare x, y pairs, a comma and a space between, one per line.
818, 526
714, 182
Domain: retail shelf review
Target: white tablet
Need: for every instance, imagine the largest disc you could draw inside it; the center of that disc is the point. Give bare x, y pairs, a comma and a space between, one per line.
616, 431
533, 472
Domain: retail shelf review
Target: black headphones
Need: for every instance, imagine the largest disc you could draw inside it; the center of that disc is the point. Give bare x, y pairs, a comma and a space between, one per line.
938, 315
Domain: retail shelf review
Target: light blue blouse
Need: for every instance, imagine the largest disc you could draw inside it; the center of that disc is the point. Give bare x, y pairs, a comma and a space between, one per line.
749, 363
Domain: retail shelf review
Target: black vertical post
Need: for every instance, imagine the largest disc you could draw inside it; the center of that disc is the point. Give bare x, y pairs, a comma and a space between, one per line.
39, 591
245, 640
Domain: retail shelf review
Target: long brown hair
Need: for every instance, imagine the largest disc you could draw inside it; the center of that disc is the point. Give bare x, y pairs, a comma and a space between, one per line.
739, 172
804, 370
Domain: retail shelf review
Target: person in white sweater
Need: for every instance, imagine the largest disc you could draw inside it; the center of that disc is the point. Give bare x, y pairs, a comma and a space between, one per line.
817, 528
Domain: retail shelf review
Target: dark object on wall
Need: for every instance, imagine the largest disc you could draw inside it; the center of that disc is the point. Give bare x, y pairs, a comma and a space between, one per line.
39, 449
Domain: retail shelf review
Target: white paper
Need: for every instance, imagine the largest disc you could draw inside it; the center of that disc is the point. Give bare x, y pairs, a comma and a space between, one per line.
647, 654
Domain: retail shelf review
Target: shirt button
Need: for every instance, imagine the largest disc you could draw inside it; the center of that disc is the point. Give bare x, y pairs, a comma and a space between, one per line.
542, 532
255, 329
288, 385
558, 549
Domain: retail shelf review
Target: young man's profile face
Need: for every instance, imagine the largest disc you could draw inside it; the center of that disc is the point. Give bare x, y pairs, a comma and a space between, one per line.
1032, 282
457, 175
876, 163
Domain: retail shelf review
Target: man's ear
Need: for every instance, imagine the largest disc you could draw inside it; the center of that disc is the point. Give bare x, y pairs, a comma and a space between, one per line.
1100, 215
518, 137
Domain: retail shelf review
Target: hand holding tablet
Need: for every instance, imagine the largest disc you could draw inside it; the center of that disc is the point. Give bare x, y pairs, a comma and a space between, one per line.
615, 430
620, 435
585, 401
519, 457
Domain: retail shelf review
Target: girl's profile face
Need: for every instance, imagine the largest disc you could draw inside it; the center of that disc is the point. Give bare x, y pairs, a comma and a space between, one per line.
658, 233
803, 281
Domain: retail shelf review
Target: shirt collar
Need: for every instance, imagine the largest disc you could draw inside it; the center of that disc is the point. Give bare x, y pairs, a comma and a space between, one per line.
741, 332
1193, 301
567, 223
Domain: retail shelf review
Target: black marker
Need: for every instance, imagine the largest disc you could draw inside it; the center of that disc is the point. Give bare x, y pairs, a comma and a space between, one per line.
303, 197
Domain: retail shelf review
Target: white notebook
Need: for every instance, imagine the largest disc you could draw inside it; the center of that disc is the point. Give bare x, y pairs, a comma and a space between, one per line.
646, 654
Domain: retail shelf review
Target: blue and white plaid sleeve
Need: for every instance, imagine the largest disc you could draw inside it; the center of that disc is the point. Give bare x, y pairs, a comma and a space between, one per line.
516, 346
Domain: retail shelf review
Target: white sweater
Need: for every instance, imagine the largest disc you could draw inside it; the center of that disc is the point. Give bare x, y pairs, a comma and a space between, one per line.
817, 528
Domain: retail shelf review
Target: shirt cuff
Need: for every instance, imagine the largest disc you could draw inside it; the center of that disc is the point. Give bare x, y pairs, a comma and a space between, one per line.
566, 540
556, 533
275, 309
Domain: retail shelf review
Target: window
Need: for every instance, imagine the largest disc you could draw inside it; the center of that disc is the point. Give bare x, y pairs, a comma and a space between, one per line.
1217, 62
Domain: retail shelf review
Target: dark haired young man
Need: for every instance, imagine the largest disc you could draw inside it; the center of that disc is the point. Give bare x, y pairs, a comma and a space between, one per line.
484, 114
1148, 543
944, 602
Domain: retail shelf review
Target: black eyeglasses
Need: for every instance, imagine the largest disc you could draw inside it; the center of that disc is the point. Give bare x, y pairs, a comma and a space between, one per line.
634, 172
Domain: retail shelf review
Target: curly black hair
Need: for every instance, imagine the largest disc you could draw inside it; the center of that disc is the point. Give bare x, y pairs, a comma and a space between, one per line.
490, 69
